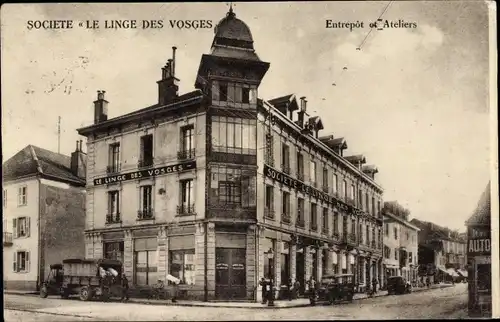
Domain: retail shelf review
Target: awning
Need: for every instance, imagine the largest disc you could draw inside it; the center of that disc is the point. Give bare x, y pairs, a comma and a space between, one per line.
462, 272
391, 266
452, 272
442, 269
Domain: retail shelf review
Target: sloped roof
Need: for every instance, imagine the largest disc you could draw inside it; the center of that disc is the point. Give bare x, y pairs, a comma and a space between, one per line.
280, 100
33, 160
482, 213
231, 27
356, 158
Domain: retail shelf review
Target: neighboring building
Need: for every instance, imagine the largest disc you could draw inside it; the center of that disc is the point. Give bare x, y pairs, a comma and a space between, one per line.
220, 188
400, 243
479, 257
43, 213
442, 254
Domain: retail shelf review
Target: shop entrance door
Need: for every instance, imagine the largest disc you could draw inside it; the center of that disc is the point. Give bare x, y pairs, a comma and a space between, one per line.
300, 271
230, 273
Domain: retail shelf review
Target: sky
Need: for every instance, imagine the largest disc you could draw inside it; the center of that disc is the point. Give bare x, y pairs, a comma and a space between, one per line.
414, 102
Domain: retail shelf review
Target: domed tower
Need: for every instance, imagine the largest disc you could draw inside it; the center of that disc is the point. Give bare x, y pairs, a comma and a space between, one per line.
230, 76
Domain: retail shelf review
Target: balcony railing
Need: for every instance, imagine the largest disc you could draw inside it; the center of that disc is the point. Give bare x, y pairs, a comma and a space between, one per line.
145, 214
269, 213
286, 218
373, 244
351, 201
113, 218
324, 230
325, 188
314, 184
300, 175
186, 154
300, 223
145, 163
114, 168
285, 168
336, 236
349, 238
269, 160
7, 239
314, 226
185, 210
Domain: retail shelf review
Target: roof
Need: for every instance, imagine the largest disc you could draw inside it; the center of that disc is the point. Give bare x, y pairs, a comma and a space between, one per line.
280, 100
482, 213
231, 52
338, 142
356, 158
33, 161
231, 27
369, 168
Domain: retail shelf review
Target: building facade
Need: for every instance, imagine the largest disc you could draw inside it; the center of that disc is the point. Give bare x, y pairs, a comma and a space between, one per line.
43, 213
442, 253
220, 188
479, 257
400, 246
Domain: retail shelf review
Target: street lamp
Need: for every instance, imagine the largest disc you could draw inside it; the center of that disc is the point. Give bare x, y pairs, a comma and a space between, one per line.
270, 294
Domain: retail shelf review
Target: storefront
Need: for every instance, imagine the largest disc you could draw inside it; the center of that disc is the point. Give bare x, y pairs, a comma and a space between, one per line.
479, 258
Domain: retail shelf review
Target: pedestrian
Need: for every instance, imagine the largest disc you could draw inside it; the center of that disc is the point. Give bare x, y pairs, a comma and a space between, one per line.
125, 288
263, 285
374, 285
174, 291
290, 289
296, 288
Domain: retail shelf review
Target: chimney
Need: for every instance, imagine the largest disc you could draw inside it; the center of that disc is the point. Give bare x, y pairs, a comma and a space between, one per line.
78, 159
100, 108
302, 111
168, 88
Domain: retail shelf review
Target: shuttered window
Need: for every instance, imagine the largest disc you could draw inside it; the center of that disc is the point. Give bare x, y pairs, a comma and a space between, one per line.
21, 262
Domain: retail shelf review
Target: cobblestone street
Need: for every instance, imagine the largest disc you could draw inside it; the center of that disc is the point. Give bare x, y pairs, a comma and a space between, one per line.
448, 302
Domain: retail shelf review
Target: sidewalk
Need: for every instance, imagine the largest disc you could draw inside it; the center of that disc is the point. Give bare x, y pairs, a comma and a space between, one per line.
278, 304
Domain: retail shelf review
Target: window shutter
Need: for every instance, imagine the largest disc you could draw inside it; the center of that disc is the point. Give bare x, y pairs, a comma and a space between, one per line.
14, 227
28, 226
27, 263
14, 263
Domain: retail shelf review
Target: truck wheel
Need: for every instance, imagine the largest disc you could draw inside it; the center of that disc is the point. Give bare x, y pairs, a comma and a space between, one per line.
85, 294
44, 292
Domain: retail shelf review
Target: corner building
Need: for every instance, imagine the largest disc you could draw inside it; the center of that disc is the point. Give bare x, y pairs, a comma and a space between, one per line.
220, 188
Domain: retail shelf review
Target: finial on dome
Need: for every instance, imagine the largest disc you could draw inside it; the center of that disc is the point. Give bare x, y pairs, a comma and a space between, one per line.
231, 12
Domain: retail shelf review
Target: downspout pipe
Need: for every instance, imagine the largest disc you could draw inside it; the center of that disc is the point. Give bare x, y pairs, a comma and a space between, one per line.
205, 295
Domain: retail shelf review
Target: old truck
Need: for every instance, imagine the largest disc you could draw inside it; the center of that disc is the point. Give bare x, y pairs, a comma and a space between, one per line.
88, 278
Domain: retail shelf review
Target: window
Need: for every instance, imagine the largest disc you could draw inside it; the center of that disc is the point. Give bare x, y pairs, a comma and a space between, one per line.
4, 198
325, 179
395, 232
353, 192
373, 206
300, 211
21, 227
113, 207
300, 166
146, 202
22, 199
187, 142
146, 151
344, 225
114, 250
269, 157
234, 135
410, 257
285, 158
285, 203
335, 222
312, 174
335, 184
269, 197
360, 199
183, 265
314, 218
367, 234
145, 261
233, 187
407, 235
114, 158
245, 95
353, 226
396, 254
379, 209
21, 262
325, 220
345, 190
223, 92
387, 229
187, 196
387, 252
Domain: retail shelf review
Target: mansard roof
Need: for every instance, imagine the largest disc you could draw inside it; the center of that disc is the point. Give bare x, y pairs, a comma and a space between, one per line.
482, 213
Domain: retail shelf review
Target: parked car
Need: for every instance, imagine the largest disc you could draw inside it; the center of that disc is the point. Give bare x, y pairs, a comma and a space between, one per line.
335, 288
398, 285
88, 278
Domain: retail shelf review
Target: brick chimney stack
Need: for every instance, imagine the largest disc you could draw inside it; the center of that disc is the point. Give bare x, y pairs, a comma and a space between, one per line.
168, 88
100, 108
302, 111
78, 161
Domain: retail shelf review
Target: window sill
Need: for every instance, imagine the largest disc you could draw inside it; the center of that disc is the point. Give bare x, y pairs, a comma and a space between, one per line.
22, 272
146, 219
114, 224
186, 215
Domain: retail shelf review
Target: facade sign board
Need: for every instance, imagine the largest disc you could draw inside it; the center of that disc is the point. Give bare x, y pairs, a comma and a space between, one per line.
147, 173
479, 241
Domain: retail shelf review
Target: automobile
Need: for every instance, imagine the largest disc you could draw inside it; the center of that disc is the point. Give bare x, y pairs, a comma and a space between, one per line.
334, 288
398, 285
89, 278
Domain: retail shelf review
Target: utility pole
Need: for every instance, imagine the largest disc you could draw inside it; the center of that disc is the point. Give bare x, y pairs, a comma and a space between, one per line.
59, 135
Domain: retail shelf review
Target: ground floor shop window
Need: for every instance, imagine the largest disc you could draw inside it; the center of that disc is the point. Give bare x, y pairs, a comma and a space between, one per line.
285, 263
182, 265
268, 247
145, 261
114, 250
